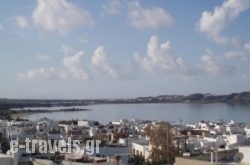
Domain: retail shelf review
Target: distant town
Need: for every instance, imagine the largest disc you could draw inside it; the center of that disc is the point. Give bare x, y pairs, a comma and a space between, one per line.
127, 141
133, 142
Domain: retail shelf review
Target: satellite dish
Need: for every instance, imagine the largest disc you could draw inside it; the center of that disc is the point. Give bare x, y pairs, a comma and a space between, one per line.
238, 157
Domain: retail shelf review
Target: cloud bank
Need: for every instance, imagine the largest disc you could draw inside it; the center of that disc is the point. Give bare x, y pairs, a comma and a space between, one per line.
59, 16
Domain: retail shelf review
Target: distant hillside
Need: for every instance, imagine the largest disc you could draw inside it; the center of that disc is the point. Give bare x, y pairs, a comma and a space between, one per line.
234, 98
237, 98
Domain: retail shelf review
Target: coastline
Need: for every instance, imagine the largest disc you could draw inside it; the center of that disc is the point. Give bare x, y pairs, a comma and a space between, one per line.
22, 113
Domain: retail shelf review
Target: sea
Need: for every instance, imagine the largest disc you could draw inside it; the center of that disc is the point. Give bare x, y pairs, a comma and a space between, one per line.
171, 112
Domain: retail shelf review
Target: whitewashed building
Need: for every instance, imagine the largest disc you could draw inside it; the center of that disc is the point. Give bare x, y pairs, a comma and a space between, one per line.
141, 148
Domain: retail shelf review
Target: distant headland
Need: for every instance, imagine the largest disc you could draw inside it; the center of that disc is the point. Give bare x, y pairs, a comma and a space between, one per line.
9, 106
233, 98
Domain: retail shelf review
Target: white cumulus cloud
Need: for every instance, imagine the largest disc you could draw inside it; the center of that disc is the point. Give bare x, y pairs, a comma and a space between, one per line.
242, 54
59, 16
214, 65
75, 65
103, 63
148, 18
21, 22
212, 23
160, 58
50, 72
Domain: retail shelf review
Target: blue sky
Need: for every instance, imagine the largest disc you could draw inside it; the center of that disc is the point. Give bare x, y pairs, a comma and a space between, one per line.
118, 48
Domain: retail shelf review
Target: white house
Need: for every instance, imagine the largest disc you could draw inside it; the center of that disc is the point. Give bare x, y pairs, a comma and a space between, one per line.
86, 123
235, 140
93, 131
203, 126
116, 122
123, 141
141, 148
247, 129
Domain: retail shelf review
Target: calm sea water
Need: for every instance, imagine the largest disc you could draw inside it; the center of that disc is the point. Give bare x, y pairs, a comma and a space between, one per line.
188, 113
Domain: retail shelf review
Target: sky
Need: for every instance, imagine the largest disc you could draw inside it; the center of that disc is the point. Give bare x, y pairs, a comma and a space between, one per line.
74, 49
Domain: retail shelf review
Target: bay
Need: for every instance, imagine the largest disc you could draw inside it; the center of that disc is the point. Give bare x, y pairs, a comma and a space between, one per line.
172, 112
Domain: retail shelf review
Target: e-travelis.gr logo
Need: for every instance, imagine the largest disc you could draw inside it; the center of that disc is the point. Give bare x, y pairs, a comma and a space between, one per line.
48, 146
